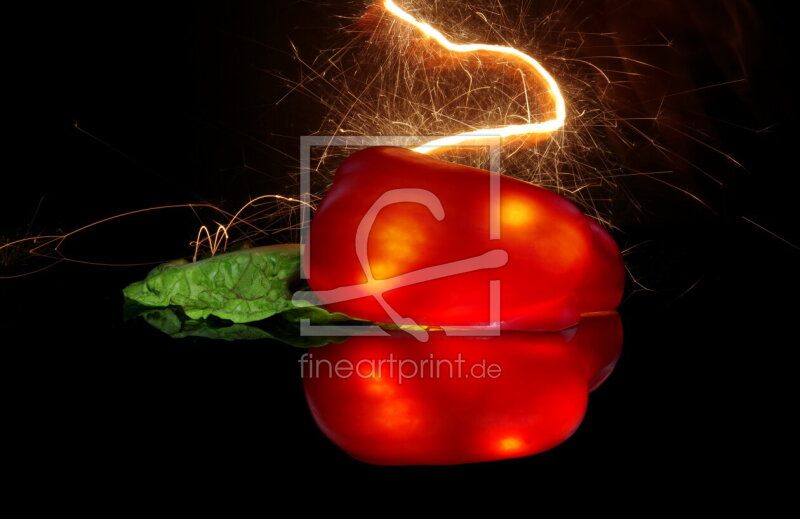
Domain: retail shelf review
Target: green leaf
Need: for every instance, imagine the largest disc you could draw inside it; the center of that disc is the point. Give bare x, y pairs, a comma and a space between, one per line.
243, 286
284, 327
175, 323
215, 297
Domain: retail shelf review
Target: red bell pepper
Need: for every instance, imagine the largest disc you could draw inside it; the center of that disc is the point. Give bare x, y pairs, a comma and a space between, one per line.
396, 401
553, 263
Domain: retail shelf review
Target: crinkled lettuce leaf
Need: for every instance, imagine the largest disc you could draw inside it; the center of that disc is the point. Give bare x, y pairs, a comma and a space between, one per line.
243, 286
283, 327
242, 295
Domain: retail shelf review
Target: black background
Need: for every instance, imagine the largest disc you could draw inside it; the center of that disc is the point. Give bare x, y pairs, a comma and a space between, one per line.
118, 107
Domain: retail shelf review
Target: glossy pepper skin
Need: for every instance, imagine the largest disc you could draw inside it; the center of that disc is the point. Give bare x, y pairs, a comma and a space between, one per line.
559, 263
535, 401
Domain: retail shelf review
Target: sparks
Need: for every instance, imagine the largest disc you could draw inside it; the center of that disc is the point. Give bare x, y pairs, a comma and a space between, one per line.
542, 128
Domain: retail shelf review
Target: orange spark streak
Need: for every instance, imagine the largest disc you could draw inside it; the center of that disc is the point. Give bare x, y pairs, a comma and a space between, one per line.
220, 237
544, 128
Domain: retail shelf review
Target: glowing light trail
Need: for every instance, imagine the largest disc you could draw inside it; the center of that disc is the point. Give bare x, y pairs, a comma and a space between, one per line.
544, 128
